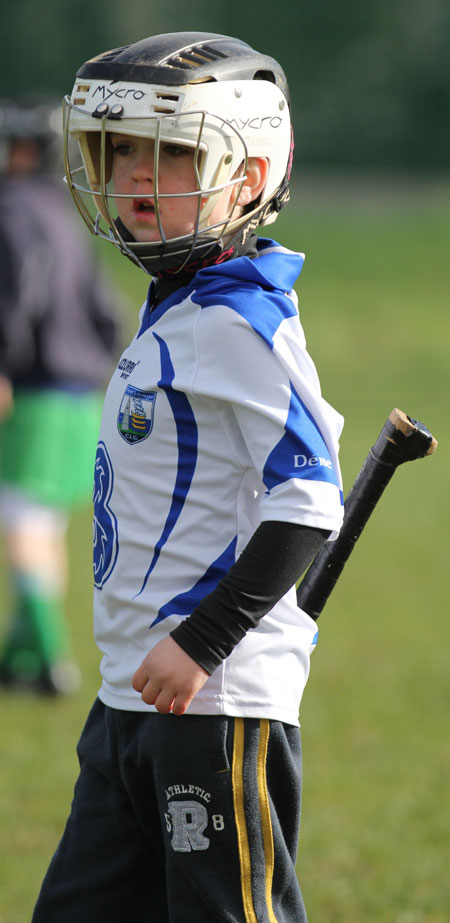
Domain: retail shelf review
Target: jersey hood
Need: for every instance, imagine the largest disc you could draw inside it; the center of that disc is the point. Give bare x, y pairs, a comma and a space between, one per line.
275, 267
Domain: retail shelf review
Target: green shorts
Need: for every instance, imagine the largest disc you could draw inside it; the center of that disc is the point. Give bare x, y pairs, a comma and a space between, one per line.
47, 446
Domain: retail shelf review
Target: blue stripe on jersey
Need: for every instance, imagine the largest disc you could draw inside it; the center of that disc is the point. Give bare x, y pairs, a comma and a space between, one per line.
301, 452
263, 310
145, 322
106, 536
185, 603
187, 440
254, 288
151, 315
275, 267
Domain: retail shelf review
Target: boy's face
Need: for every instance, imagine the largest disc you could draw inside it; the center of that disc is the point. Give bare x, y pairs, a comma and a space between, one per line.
133, 175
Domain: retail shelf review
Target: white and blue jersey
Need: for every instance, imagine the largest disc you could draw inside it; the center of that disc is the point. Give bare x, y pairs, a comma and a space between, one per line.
213, 422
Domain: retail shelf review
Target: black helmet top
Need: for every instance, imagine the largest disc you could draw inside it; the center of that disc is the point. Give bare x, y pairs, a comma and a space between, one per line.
177, 58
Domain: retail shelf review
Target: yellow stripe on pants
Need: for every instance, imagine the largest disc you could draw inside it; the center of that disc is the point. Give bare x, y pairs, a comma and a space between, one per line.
241, 825
264, 810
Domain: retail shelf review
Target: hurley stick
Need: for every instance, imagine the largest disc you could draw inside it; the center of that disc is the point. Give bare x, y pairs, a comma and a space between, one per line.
402, 439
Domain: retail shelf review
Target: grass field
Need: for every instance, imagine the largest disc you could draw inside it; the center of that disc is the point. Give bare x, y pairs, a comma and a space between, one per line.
374, 301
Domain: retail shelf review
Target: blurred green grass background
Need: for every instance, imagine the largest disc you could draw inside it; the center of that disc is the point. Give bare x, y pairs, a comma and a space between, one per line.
374, 302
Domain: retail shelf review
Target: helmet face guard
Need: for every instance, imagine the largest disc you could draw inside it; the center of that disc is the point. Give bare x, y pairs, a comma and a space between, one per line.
223, 122
92, 187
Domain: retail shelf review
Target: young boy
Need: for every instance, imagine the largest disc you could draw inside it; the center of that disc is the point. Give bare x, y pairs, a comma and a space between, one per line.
216, 482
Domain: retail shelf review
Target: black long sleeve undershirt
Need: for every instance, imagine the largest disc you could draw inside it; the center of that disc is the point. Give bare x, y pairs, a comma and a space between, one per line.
271, 563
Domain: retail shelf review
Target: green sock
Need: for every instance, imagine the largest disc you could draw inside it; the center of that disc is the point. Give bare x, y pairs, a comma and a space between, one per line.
38, 634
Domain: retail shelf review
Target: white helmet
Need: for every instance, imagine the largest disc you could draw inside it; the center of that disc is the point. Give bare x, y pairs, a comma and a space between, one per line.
210, 92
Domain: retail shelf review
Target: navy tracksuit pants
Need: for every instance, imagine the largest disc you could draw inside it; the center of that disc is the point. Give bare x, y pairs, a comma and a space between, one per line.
190, 819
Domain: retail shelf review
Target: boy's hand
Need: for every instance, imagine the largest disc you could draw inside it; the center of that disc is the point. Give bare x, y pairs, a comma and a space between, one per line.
168, 678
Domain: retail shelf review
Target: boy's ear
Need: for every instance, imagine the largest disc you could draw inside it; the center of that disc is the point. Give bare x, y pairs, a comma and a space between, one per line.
257, 172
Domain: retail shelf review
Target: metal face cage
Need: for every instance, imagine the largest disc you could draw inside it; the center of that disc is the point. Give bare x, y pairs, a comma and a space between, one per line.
220, 159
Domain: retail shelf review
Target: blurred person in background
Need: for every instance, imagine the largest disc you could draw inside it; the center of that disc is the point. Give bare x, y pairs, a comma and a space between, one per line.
59, 333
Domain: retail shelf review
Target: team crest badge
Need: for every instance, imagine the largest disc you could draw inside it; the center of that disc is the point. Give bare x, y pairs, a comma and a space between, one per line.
135, 418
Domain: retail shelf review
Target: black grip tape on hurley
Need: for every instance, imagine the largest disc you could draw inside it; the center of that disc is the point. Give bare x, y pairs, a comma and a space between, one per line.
402, 439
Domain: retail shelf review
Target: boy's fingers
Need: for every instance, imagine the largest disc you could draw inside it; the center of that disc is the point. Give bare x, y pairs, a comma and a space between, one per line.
153, 694
163, 703
139, 680
179, 705
149, 693
163, 699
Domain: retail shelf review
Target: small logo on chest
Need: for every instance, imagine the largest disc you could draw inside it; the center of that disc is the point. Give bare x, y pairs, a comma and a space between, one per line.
136, 412
126, 367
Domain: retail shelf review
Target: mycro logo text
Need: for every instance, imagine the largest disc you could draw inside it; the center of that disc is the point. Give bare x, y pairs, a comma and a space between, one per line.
256, 123
118, 92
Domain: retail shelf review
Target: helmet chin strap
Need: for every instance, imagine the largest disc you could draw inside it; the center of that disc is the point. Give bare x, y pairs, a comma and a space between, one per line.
169, 261
166, 257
